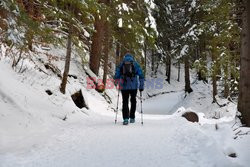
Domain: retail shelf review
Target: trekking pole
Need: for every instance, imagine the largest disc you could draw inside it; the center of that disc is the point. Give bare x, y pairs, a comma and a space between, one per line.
141, 109
117, 107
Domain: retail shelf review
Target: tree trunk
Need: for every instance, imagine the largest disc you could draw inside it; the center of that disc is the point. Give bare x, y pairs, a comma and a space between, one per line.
123, 52
168, 68
67, 63
96, 46
187, 75
244, 96
145, 60
106, 52
214, 88
29, 37
117, 54
97, 41
166, 64
142, 63
214, 79
226, 81
157, 57
152, 63
179, 71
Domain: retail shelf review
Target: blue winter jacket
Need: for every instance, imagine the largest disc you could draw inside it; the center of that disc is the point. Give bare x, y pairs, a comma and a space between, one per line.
133, 83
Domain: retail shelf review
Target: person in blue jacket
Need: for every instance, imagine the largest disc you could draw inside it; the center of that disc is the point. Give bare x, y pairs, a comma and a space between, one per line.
130, 78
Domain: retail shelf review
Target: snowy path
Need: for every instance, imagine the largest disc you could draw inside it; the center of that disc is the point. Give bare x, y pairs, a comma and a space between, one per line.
170, 142
32, 133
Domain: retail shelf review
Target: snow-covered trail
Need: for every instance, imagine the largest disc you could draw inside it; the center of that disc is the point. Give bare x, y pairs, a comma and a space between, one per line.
33, 134
168, 142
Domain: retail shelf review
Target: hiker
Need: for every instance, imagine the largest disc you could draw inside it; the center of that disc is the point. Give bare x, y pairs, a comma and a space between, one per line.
127, 74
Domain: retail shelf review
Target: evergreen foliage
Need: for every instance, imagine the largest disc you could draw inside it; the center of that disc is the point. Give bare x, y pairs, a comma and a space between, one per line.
160, 33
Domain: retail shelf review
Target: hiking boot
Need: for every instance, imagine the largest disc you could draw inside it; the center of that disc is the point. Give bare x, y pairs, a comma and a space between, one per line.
132, 120
125, 122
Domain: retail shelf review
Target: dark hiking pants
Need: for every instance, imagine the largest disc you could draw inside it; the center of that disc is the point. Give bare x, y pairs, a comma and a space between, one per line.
126, 113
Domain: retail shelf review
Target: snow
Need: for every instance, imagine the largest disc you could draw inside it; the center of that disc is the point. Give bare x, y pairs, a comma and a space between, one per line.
3, 50
193, 4
120, 22
125, 7
150, 22
86, 34
151, 3
14, 35
33, 132
184, 51
165, 103
169, 9
101, 143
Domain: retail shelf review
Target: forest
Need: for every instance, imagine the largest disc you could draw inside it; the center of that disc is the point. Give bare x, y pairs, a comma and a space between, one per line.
179, 43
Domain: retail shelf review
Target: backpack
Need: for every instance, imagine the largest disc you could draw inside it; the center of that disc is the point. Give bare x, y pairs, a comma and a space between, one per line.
128, 69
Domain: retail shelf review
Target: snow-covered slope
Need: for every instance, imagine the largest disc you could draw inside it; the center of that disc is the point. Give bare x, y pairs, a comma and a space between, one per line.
49, 131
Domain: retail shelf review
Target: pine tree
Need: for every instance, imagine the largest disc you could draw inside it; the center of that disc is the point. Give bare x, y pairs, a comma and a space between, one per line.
164, 17
244, 96
98, 39
68, 21
222, 42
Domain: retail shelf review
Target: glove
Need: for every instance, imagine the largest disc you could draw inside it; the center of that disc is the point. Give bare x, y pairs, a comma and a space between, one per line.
141, 90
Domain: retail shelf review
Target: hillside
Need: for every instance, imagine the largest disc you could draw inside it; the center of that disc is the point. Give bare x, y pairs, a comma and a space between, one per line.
38, 129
